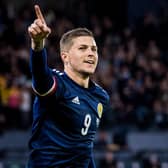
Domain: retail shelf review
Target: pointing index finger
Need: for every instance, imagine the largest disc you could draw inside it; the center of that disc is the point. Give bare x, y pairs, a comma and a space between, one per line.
39, 14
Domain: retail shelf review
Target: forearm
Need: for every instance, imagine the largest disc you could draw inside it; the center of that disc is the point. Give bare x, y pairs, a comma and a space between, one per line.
41, 74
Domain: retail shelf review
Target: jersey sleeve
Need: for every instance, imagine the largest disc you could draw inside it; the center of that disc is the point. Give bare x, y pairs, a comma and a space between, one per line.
43, 81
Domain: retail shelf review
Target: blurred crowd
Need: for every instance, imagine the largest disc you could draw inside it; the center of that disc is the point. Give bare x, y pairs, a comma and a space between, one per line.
133, 64
133, 67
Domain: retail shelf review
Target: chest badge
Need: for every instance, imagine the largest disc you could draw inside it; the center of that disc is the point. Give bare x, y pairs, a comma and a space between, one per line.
100, 109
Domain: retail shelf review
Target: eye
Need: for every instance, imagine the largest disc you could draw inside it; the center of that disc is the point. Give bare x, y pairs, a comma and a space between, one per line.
94, 49
82, 48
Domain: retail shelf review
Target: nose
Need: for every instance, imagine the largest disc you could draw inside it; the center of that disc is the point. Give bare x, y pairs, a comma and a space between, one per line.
91, 52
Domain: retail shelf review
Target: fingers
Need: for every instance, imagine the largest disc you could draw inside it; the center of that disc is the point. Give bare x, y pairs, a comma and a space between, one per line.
39, 14
38, 30
42, 27
35, 29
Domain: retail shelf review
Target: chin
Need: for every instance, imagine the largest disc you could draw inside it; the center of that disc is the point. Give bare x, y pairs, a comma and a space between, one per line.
88, 73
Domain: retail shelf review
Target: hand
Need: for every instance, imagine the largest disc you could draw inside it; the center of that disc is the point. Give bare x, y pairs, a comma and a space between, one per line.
38, 30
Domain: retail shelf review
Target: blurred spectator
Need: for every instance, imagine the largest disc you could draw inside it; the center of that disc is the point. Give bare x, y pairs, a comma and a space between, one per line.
2, 121
119, 138
160, 115
143, 118
102, 140
108, 161
14, 100
151, 161
25, 107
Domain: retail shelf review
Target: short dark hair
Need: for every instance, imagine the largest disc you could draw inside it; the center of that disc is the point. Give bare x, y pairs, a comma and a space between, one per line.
67, 38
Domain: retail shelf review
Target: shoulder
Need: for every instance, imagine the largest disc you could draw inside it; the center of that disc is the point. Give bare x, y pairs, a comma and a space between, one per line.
59, 78
62, 79
59, 75
57, 72
102, 92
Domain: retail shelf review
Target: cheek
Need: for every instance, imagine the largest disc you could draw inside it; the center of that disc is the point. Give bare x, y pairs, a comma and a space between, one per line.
75, 61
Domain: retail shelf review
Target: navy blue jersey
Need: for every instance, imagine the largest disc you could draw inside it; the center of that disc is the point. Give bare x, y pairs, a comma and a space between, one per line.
65, 124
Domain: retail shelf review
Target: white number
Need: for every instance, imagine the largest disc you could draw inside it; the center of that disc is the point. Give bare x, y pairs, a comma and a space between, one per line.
87, 123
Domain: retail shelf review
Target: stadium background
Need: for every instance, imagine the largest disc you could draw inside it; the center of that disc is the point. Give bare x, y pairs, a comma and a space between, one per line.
132, 37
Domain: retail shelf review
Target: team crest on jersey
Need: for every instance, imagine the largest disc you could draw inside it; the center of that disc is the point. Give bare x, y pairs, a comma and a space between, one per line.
100, 109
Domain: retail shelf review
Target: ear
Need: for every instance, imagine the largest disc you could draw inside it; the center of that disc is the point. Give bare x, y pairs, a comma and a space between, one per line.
64, 57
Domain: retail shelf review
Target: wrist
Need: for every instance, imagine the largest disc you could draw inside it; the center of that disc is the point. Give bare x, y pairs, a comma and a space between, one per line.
37, 45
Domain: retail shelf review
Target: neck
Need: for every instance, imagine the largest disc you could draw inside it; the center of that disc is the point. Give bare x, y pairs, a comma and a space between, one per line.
80, 79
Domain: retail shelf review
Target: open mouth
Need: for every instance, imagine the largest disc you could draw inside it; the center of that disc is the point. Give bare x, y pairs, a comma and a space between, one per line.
89, 61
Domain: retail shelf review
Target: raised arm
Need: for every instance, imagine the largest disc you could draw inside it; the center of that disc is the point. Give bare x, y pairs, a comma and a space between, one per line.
38, 30
42, 80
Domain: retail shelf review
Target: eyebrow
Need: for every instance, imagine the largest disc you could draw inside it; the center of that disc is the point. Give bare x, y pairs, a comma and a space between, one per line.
84, 45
